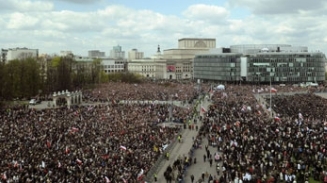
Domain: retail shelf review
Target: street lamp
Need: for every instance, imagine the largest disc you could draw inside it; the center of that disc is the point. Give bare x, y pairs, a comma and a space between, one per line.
270, 74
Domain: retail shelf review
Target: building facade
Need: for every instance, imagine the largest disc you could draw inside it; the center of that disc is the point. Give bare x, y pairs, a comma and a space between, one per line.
161, 66
135, 54
96, 54
117, 53
277, 63
108, 65
18, 53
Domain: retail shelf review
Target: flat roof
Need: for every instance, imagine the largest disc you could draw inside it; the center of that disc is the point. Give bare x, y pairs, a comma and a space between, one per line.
211, 39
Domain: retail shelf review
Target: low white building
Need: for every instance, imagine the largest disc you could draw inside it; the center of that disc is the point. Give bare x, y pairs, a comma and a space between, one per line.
108, 65
18, 53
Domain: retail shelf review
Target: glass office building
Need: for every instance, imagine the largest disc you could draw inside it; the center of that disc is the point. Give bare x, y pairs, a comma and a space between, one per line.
261, 64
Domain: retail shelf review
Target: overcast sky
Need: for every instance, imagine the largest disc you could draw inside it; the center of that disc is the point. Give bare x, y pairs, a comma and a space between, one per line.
82, 25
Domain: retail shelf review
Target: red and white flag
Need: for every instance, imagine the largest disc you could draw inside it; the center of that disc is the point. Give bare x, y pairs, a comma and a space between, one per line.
277, 118
107, 179
124, 180
79, 162
203, 110
274, 90
67, 150
74, 129
123, 148
140, 175
48, 143
15, 163
4, 176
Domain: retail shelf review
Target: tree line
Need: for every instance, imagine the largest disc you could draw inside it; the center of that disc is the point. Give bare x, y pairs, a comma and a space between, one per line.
30, 77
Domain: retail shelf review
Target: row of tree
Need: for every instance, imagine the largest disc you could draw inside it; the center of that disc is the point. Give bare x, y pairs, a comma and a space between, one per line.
30, 77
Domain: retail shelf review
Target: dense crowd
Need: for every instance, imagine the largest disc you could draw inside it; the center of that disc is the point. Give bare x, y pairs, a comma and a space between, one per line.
290, 147
115, 142
109, 142
162, 91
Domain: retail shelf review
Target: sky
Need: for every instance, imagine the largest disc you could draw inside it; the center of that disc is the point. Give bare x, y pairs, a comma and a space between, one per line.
82, 25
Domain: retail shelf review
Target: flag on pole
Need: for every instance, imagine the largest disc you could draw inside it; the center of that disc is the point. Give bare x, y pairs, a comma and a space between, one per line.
300, 116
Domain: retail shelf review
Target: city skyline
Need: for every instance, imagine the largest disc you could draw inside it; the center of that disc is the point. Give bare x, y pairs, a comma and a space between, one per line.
83, 25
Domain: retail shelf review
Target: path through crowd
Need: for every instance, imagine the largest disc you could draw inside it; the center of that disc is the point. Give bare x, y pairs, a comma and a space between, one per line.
183, 149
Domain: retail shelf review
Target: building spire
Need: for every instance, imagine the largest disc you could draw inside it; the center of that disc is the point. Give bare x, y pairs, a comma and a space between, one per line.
158, 51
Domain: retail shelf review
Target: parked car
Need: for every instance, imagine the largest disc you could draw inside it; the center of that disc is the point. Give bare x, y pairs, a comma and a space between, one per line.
34, 102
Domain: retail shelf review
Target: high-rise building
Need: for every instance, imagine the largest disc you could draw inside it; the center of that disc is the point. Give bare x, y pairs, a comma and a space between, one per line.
96, 54
135, 54
117, 53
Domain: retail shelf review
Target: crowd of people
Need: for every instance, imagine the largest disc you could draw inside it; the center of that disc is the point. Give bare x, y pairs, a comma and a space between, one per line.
289, 147
161, 91
107, 142
116, 142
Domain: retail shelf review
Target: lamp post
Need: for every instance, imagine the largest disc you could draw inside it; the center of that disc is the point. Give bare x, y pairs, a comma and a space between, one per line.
270, 94
270, 101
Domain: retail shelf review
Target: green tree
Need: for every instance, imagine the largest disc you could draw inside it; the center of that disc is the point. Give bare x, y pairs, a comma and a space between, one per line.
21, 78
2, 77
96, 71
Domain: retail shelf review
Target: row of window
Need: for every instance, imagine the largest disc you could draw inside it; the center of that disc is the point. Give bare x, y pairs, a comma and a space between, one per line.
113, 66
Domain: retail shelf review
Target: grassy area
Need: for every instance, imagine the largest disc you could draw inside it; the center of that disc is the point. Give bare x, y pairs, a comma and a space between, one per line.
311, 180
14, 103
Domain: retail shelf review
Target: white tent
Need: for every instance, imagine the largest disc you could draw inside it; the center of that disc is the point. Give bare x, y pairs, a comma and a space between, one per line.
220, 87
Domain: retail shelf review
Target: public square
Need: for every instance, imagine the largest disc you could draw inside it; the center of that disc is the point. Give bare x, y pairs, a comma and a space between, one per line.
168, 133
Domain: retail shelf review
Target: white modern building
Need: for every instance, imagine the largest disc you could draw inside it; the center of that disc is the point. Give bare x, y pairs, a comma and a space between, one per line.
108, 65
18, 53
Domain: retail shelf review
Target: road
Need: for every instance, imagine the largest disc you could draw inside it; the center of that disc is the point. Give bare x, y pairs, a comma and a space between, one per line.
183, 148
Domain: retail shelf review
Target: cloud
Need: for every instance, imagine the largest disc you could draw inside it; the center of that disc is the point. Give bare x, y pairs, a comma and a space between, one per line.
279, 6
80, 31
25, 6
80, 1
21, 21
210, 13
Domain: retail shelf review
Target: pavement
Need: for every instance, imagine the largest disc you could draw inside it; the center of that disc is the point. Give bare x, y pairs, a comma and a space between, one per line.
183, 148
